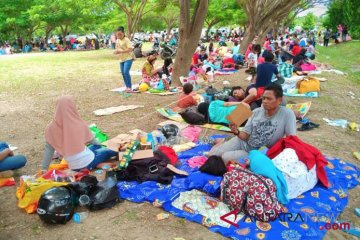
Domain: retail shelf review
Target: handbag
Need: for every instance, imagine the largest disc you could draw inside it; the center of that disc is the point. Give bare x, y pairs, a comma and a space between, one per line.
308, 85
307, 67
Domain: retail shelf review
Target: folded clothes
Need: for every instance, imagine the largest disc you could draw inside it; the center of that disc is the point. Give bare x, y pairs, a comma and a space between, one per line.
196, 161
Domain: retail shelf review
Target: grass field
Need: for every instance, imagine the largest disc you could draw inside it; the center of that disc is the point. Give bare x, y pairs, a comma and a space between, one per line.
30, 84
344, 57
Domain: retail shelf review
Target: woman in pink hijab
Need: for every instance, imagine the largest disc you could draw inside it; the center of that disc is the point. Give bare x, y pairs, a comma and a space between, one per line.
68, 134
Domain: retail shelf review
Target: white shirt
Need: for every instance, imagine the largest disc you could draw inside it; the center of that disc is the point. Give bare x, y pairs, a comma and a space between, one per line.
80, 160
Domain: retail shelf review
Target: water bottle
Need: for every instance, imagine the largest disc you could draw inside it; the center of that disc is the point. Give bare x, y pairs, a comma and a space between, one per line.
80, 216
151, 140
159, 137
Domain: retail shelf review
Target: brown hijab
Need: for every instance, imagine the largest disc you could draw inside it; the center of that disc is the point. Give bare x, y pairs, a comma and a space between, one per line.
67, 132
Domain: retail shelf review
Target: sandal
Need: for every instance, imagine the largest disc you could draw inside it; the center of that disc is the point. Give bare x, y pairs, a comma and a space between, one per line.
306, 127
315, 125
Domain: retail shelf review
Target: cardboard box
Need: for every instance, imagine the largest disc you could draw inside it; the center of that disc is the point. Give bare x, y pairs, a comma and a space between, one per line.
139, 154
239, 115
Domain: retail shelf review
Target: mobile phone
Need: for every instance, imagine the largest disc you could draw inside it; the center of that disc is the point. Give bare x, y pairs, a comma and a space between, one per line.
153, 168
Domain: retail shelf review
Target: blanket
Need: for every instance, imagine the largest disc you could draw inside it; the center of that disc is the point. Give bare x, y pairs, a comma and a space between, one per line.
170, 114
303, 108
122, 89
111, 110
304, 95
308, 212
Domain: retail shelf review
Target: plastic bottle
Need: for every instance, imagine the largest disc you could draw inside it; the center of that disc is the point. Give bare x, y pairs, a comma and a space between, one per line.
151, 140
159, 137
79, 217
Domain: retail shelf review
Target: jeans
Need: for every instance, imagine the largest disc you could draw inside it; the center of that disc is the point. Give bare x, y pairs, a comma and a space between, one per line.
238, 58
11, 162
326, 42
101, 155
125, 71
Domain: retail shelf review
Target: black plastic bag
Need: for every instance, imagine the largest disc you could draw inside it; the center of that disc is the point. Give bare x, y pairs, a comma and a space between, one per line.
214, 166
104, 195
84, 186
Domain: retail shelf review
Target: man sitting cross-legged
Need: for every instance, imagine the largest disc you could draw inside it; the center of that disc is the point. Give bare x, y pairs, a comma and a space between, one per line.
267, 125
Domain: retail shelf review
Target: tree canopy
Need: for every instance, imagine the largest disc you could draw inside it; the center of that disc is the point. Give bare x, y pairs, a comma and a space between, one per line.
345, 12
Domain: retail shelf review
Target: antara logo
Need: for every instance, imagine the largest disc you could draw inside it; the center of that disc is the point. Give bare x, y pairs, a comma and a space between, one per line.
283, 217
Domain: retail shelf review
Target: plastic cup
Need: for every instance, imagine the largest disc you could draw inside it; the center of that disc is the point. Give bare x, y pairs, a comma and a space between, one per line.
143, 139
80, 216
84, 200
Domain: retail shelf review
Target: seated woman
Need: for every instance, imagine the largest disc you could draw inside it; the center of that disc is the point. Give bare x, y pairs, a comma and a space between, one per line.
296, 49
167, 69
310, 50
149, 73
202, 56
9, 161
69, 135
299, 59
217, 111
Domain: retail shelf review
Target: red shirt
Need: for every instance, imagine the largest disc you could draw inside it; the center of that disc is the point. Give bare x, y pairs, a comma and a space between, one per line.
296, 50
195, 58
308, 154
186, 100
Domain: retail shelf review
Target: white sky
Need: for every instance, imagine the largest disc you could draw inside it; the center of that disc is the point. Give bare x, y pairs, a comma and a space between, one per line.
318, 10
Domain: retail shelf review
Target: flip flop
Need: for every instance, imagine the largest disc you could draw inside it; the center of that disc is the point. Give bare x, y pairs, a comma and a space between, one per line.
315, 125
306, 127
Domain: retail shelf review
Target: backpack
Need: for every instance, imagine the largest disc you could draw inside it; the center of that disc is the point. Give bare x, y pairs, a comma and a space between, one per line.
148, 169
192, 116
253, 194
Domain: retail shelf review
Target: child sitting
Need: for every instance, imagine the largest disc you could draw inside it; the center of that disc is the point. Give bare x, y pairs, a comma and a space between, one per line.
286, 68
252, 61
187, 97
265, 72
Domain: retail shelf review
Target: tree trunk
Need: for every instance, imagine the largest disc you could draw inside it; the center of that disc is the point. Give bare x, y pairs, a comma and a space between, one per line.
248, 37
129, 27
261, 14
63, 31
133, 13
210, 25
189, 35
48, 30
168, 31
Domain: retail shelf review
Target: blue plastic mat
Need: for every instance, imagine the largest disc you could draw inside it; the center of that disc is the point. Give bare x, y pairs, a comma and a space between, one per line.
310, 211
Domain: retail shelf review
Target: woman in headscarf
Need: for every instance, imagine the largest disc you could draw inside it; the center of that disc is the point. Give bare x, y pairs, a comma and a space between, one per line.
69, 135
124, 50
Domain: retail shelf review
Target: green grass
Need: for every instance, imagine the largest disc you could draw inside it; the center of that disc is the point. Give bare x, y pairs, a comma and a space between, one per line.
344, 57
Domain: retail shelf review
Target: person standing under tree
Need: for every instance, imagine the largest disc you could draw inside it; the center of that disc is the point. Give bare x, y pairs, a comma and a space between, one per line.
124, 50
344, 33
327, 35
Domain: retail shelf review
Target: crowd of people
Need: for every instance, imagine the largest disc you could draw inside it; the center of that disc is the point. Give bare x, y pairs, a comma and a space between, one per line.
54, 43
271, 124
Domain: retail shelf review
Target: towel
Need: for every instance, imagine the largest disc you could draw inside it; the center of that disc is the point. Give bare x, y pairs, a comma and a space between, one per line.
262, 165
